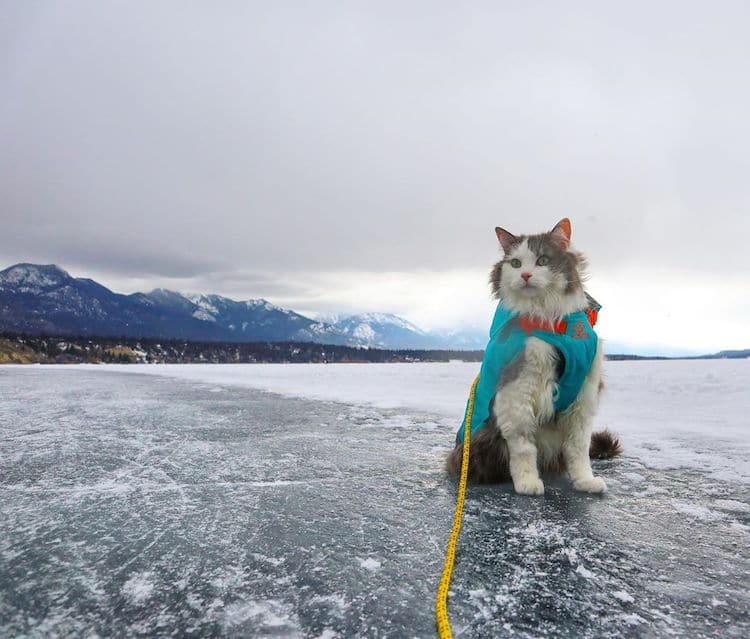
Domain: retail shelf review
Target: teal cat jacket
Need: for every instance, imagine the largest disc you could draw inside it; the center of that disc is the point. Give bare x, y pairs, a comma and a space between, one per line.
573, 337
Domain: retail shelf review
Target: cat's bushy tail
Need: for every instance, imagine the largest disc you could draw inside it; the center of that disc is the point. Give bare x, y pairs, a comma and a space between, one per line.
604, 445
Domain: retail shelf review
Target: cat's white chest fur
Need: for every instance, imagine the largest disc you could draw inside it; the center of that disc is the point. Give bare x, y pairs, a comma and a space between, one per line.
536, 436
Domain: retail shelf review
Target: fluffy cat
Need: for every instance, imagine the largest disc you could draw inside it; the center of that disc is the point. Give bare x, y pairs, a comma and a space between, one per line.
539, 280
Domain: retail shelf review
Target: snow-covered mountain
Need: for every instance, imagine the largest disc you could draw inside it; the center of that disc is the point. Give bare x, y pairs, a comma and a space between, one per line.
380, 330
46, 299
385, 330
258, 319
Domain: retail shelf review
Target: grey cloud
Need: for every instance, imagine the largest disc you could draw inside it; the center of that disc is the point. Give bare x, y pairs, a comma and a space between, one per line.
139, 263
386, 136
110, 256
247, 285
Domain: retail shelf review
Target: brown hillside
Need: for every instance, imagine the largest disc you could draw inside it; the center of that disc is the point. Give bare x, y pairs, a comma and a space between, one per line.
11, 352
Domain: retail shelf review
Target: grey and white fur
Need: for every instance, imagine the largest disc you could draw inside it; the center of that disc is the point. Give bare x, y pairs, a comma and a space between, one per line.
542, 276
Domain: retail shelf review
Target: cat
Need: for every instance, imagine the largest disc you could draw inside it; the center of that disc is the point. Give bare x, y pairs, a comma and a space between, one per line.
545, 314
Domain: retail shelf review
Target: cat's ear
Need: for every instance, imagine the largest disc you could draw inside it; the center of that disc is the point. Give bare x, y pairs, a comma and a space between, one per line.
507, 240
561, 234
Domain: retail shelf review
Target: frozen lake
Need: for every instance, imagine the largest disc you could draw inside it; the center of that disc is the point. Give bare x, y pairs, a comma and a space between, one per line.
190, 500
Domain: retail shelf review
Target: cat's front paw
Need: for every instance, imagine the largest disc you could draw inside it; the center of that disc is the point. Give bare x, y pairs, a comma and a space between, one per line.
529, 486
591, 485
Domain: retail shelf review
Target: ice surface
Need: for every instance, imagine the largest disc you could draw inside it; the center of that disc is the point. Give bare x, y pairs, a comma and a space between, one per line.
670, 414
148, 505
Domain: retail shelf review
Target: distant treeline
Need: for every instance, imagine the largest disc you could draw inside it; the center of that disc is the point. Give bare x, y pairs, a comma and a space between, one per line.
19, 348
740, 354
51, 349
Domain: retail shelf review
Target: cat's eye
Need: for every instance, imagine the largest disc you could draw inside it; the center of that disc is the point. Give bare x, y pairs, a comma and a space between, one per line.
542, 261
515, 263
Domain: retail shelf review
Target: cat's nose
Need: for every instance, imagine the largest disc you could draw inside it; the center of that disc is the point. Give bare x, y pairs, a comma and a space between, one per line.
526, 276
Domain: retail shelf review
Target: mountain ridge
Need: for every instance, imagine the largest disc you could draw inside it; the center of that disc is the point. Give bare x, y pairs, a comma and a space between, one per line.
44, 298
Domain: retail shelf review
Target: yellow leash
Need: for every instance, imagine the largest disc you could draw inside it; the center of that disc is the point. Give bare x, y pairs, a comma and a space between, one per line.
441, 603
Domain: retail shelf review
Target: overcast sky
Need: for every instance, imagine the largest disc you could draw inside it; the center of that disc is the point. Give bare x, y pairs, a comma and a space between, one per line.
356, 156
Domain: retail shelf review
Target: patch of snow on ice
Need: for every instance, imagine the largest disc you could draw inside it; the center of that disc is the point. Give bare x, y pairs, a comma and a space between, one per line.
139, 587
335, 603
267, 616
633, 619
696, 511
717, 602
584, 572
741, 528
636, 478
733, 505
623, 596
229, 579
571, 554
369, 564
484, 603
273, 561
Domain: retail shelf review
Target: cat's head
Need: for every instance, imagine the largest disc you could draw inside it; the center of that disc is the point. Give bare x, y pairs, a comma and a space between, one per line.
540, 274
